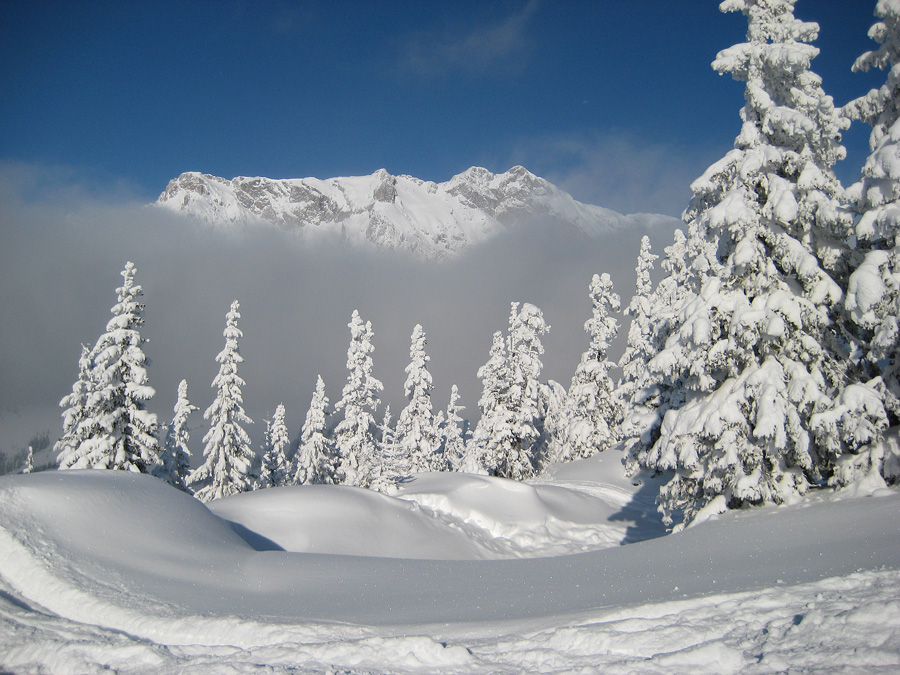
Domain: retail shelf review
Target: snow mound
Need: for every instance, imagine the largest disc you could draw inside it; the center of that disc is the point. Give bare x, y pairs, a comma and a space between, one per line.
516, 519
343, 520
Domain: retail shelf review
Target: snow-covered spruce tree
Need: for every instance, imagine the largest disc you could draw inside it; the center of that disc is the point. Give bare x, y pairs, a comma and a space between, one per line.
593, 409
274, 467
639, 349
316, 461
76, 423
751, 347
393, 466
115, 430
175, 462
29, 461
509, 438
654, 317
453, 432
228, 465
494, 429
873, 294
416, 433
359, 399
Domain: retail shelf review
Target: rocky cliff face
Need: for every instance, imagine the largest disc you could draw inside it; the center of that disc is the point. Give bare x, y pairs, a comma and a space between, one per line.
432, 220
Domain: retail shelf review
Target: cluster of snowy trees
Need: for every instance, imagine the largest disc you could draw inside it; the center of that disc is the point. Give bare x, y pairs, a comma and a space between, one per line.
763, 363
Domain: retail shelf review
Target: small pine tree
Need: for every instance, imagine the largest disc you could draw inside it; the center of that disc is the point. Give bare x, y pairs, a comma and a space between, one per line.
393, 466
416, 433
176, 457
359, 399
453, 432
228, 465
274, 469
316, 461
593, 408
76, 422
495, 425
107, 425
29, 461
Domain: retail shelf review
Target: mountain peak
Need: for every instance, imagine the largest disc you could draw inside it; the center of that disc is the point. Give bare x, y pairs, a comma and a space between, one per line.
431, 220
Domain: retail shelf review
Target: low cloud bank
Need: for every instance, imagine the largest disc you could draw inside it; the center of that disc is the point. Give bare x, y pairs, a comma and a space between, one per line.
61, 254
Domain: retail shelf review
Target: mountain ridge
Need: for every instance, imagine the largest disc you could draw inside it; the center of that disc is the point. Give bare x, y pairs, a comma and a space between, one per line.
431, 220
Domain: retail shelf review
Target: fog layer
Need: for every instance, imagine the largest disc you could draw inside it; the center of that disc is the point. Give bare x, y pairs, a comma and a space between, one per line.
60, 260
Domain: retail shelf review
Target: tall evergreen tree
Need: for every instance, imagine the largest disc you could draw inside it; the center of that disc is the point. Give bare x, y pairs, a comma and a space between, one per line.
316, 461
873, 294
107, 424
593, 408
228, 465
176, 457
274, 466
416, 433
750, 348
359, 399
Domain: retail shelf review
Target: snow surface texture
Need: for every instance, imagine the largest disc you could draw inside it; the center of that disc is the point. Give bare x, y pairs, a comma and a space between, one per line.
108, 570
431, 220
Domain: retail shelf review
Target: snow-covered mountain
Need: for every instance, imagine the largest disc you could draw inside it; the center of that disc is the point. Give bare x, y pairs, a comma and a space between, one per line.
432, 220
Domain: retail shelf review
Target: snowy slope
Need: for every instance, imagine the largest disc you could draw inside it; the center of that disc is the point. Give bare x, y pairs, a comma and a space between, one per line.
432, 220
114, 569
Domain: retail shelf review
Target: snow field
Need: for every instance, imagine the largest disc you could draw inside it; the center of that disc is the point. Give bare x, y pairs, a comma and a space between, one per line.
108, 570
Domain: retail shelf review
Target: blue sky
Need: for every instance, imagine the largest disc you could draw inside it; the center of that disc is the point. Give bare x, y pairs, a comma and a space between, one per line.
613, 100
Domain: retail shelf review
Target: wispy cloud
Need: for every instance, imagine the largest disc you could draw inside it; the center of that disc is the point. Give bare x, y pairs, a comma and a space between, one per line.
485, 49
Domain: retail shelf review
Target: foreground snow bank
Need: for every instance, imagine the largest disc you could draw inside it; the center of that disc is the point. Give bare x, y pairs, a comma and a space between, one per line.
118, 570
437, 516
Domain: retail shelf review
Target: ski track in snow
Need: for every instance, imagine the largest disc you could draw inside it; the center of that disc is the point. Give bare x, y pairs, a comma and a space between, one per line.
849, 625
112, 572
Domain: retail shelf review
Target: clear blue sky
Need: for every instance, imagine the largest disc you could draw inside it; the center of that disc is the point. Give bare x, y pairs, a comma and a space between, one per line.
597, 95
